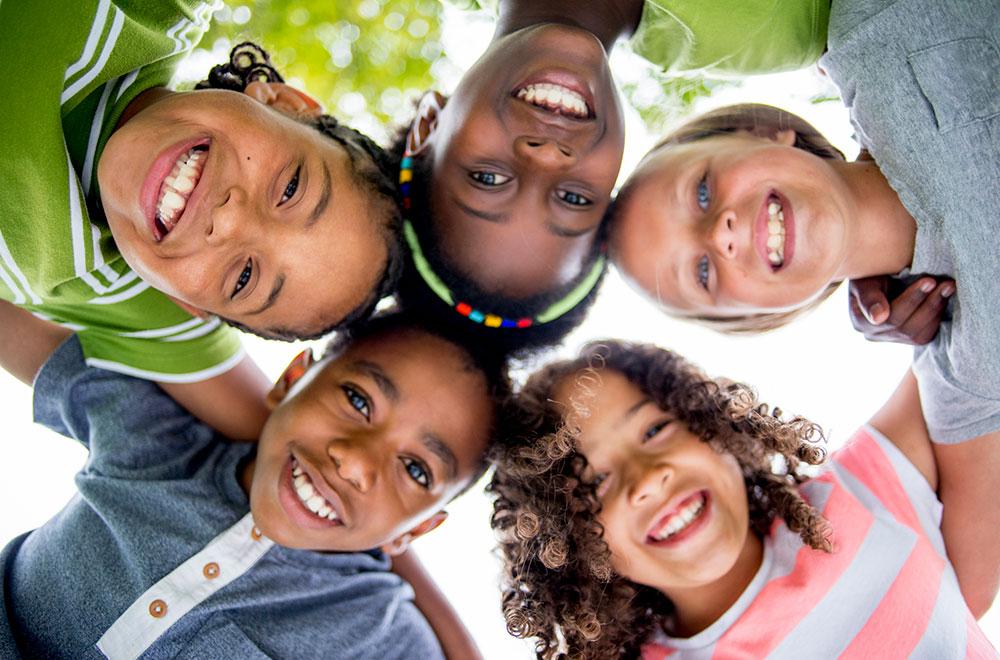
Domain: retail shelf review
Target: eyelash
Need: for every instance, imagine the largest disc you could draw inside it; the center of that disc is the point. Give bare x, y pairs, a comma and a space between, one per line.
653, 430
489, 179
701, 192
423, 478
292, 187
573, 198
243, 279
703, 272
357, 401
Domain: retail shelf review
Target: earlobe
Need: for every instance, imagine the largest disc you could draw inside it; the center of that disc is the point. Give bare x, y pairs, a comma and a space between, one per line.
785, 137
292, 373
399, 544
285, 99
424, 124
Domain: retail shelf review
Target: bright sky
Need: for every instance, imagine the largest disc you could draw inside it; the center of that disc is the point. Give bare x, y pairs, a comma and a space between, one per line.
819, 368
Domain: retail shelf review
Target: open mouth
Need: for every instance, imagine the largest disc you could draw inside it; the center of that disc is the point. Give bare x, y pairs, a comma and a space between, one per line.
681, 519
775, 232
555, 98
311, 497
177, 188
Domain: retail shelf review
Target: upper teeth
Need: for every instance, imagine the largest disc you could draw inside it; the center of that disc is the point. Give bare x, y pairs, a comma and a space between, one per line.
681, 519
178, 186
310, 496
775, 233
555, 97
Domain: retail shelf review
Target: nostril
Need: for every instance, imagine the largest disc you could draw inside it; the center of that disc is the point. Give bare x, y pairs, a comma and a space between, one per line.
565, 152
534, 143
729, 223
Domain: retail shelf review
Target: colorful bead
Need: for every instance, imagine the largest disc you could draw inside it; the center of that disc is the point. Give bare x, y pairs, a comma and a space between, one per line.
476, 315
463, 308
492, 321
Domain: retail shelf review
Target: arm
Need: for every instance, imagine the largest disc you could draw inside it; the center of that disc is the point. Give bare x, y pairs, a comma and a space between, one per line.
26, 341
966, 477
232, 402
451, 633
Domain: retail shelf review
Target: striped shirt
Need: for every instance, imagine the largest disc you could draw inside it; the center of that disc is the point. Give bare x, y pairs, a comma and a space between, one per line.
71, 70
886, 591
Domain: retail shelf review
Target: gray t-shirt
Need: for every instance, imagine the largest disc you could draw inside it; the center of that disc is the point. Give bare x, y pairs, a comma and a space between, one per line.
922, 81
158, 513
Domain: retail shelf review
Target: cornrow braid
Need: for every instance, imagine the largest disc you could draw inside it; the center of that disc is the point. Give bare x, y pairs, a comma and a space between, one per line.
559, 585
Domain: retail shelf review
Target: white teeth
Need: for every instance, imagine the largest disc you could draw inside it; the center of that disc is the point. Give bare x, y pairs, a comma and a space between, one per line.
681, 519
311, 497
775, 234
555, 97
178, 186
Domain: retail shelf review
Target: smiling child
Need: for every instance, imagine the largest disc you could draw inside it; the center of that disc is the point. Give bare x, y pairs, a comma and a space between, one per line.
645, 508
183, 544
139, 213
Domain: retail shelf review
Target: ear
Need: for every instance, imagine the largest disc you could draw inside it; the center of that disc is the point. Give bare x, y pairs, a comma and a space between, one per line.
284, 98
785, 137
402, 542
292, 373
430, 107
190, 309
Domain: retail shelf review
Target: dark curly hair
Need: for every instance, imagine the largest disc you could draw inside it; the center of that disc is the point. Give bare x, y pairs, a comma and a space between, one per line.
758, 119
559, 585
373, 170
414, 293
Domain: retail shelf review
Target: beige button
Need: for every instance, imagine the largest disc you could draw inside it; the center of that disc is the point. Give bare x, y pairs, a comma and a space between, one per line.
157, 608
211, 570
255, 533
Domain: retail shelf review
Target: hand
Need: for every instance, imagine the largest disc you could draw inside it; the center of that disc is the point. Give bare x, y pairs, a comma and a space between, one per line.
912, 317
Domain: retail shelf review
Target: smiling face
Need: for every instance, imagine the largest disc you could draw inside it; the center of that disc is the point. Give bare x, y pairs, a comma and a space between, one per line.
236, 209
674, 511
370, 443
733, 225
526, 153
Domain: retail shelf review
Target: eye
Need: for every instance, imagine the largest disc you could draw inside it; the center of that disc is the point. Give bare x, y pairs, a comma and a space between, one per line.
600, 483
573, 199
490, 179
357, 401
702, 192
292, 186
653, 430
244, 277
703, 272
417, 471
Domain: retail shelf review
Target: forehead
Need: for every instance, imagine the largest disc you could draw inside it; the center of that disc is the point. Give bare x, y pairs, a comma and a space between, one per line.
597, 401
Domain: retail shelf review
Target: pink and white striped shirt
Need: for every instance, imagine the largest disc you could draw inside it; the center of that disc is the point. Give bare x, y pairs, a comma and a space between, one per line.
887, 590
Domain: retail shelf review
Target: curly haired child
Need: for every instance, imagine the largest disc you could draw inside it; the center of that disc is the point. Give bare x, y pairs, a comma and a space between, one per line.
644, 508
140, 216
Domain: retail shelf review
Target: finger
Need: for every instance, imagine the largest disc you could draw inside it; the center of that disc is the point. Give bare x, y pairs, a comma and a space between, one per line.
869, 292
860, 322
906, 303
923, 324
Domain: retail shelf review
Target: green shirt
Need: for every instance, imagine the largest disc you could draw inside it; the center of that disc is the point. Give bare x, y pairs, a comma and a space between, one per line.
70, 70
724, 37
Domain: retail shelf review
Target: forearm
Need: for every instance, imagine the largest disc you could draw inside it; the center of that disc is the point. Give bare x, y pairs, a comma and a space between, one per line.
969, 483
233, 403
455, 639
26, 341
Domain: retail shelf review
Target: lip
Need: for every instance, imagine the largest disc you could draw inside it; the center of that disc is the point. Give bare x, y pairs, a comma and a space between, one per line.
760, 231
162, 166
670, 508
294, 507
563, 78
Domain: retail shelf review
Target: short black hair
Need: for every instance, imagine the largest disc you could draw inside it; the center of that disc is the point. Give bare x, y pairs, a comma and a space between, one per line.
372, 168
414, 294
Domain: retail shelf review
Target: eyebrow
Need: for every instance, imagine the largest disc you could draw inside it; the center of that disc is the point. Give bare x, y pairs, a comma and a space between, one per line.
279, 282
636, 407
438, 447
376, 373
324, 198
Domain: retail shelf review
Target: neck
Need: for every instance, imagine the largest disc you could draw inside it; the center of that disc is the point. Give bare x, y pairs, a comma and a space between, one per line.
141, 102
883, 234
699, 607
608, 20
245, 472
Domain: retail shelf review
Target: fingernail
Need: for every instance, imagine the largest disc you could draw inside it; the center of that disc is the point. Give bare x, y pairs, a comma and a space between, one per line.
874, 311
947, 290
927, 286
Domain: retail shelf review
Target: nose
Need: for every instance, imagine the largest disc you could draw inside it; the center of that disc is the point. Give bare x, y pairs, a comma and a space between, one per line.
545, 152
354, 465
648, 482
722, 235
225, 219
